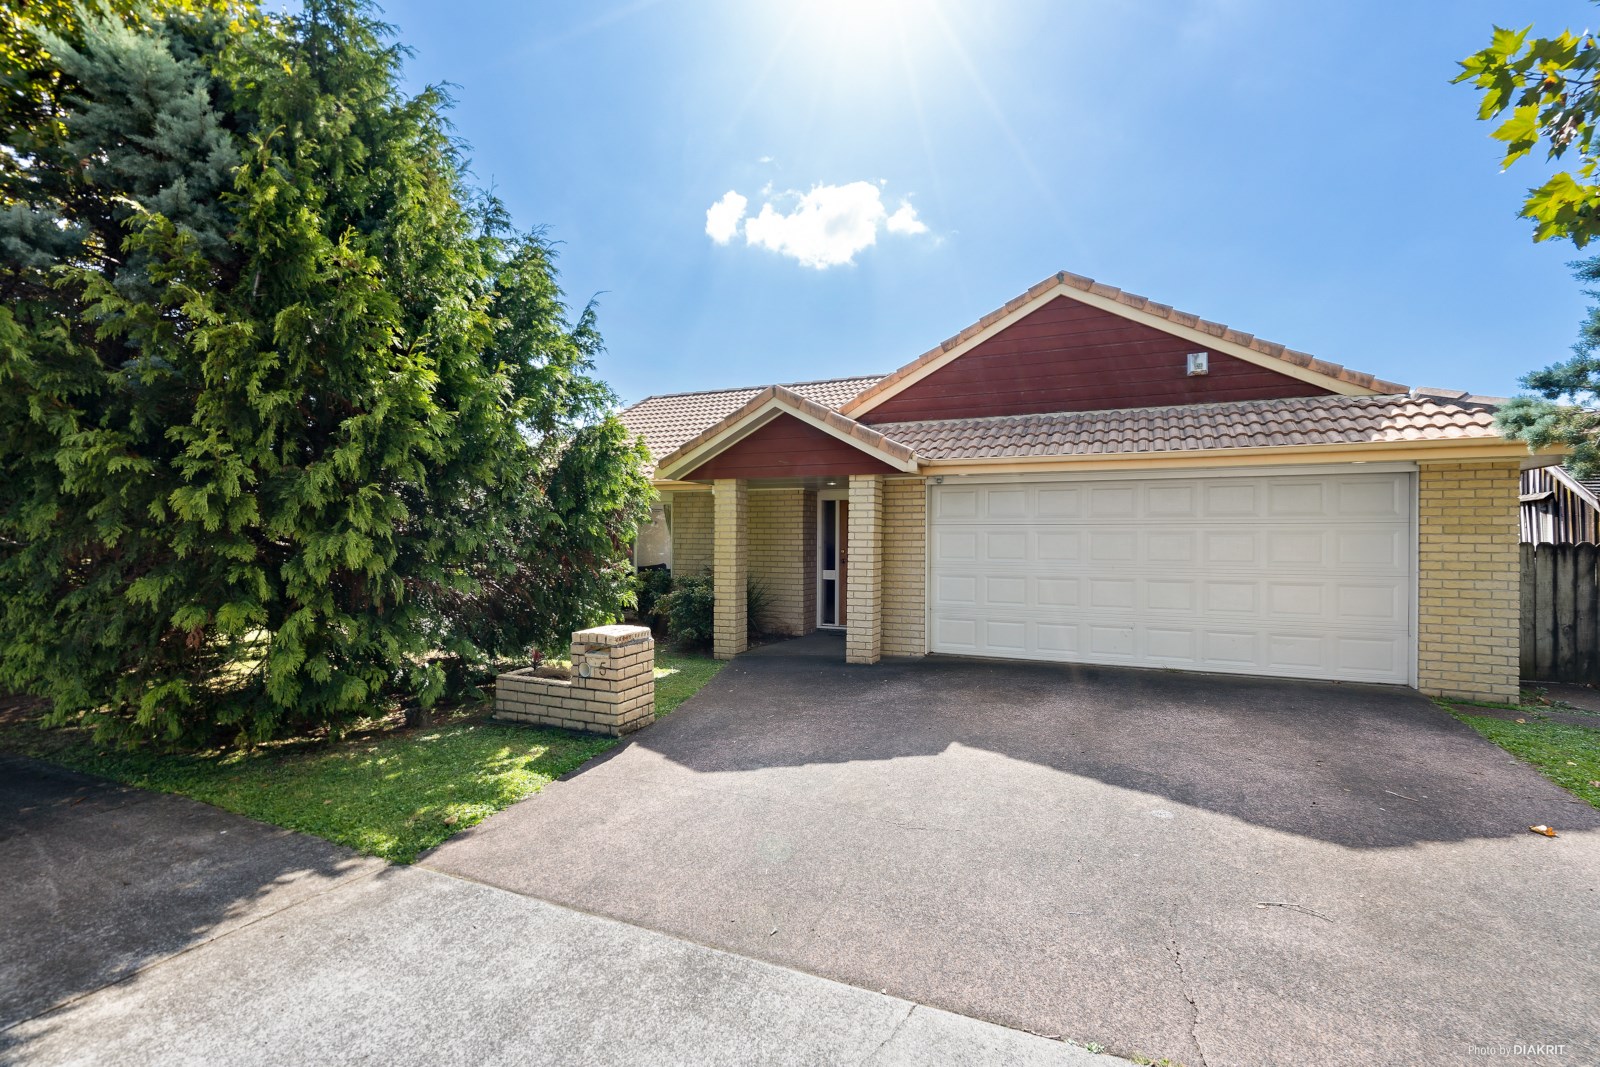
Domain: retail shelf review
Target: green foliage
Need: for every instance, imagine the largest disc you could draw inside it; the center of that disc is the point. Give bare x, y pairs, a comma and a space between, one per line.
680, 677
1544, 90
1567, 755
690, 611
757, 608
1566, 411
649, 587
389, 793
286, 409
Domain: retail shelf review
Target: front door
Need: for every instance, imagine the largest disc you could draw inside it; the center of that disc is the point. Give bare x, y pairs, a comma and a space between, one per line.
833, 560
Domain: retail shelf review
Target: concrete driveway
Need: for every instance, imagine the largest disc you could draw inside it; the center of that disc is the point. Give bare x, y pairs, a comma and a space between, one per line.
138, 929
1221, 871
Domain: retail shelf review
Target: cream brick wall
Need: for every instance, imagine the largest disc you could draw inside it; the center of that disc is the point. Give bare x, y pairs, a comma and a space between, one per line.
778, 558
612, 689
691, 533
731, 569
863, 641
1468, 577
905, 552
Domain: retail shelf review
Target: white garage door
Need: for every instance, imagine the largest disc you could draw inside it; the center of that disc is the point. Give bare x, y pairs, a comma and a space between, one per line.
1302, 576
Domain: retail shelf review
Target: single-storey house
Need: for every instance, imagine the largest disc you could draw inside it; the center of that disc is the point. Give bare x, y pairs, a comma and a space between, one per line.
1088, 476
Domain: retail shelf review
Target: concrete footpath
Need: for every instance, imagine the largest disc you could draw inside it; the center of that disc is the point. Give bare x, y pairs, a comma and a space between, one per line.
142, 929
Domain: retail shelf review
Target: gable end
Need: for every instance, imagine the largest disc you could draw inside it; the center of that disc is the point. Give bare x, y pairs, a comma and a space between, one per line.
787, 447
1069, 356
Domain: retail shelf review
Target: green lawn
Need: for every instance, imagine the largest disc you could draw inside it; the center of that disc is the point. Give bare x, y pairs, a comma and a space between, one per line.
1568, 754
391, 792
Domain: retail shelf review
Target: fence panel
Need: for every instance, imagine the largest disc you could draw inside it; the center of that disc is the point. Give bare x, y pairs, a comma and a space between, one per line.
1560, 602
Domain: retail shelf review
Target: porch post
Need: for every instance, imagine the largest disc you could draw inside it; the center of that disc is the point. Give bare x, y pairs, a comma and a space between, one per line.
863, 642
730, 565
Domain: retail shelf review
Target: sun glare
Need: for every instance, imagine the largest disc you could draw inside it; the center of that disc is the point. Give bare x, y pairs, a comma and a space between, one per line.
853, 22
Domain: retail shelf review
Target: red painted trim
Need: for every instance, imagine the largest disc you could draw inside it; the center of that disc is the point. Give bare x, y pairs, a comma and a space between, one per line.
786, 447
1069, 356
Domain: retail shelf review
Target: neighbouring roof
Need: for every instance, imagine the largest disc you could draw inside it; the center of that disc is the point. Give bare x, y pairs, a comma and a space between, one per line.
1314, 420
1140, 306
668, 420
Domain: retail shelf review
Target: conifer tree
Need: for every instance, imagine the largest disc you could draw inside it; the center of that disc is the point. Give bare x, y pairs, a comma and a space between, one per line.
286, 409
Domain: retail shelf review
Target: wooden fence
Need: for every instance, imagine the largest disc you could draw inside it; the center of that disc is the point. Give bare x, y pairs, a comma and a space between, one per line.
1561, 613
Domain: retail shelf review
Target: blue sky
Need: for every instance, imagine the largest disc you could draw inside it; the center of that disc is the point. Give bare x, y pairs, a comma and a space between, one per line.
1304, 172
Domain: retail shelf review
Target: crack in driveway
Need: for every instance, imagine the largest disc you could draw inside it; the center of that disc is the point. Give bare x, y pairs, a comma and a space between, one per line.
899, 1023
1194, 1006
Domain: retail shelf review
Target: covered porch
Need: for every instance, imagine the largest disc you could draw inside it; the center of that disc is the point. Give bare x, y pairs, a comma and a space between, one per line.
824, 515
815, 550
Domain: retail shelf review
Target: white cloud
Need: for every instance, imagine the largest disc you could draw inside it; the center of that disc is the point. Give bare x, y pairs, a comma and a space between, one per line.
905, 221
823, 228
723, 217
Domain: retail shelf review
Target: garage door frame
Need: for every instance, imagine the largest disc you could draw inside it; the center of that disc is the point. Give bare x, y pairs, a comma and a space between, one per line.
1169, 474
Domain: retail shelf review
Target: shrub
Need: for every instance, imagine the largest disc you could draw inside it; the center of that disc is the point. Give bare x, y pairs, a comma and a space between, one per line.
690, 610
757, 608
650, 585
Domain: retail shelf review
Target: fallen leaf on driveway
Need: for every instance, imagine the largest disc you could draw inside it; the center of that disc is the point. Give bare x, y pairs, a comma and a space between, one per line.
1543, 829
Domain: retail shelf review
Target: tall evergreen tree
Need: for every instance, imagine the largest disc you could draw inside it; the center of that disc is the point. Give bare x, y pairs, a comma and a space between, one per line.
1566, 407
288, 409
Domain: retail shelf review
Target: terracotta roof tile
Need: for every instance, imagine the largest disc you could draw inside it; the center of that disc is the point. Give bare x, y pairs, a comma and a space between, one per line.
1315, 420
796, 401
669, 420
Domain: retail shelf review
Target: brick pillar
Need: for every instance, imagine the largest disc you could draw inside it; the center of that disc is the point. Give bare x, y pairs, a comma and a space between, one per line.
1469, 573
863, 642
731, 565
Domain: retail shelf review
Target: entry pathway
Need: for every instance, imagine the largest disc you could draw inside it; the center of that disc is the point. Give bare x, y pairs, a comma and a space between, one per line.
145, 929
1221, 871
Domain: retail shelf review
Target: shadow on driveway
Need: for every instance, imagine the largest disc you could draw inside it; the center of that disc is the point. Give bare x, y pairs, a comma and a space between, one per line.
1355, 765
99, 880
1209, 868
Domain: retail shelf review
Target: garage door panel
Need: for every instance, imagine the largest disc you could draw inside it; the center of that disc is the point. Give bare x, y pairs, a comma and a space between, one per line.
1333, 603
951, 505
1351, 656
1183, 501
955, 545
1330, 603
1006, 546
1000, 591
1372, 547
1298, 576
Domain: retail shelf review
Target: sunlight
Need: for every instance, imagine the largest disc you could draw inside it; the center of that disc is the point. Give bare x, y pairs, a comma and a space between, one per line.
853, 38
874, 22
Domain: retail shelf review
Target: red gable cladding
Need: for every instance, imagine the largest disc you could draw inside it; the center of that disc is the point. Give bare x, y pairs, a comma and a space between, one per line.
1069, 356
788, 448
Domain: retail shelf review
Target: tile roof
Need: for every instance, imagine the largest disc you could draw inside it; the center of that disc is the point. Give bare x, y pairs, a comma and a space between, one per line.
669, 420
1068, 280
794, 400
1315, 420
